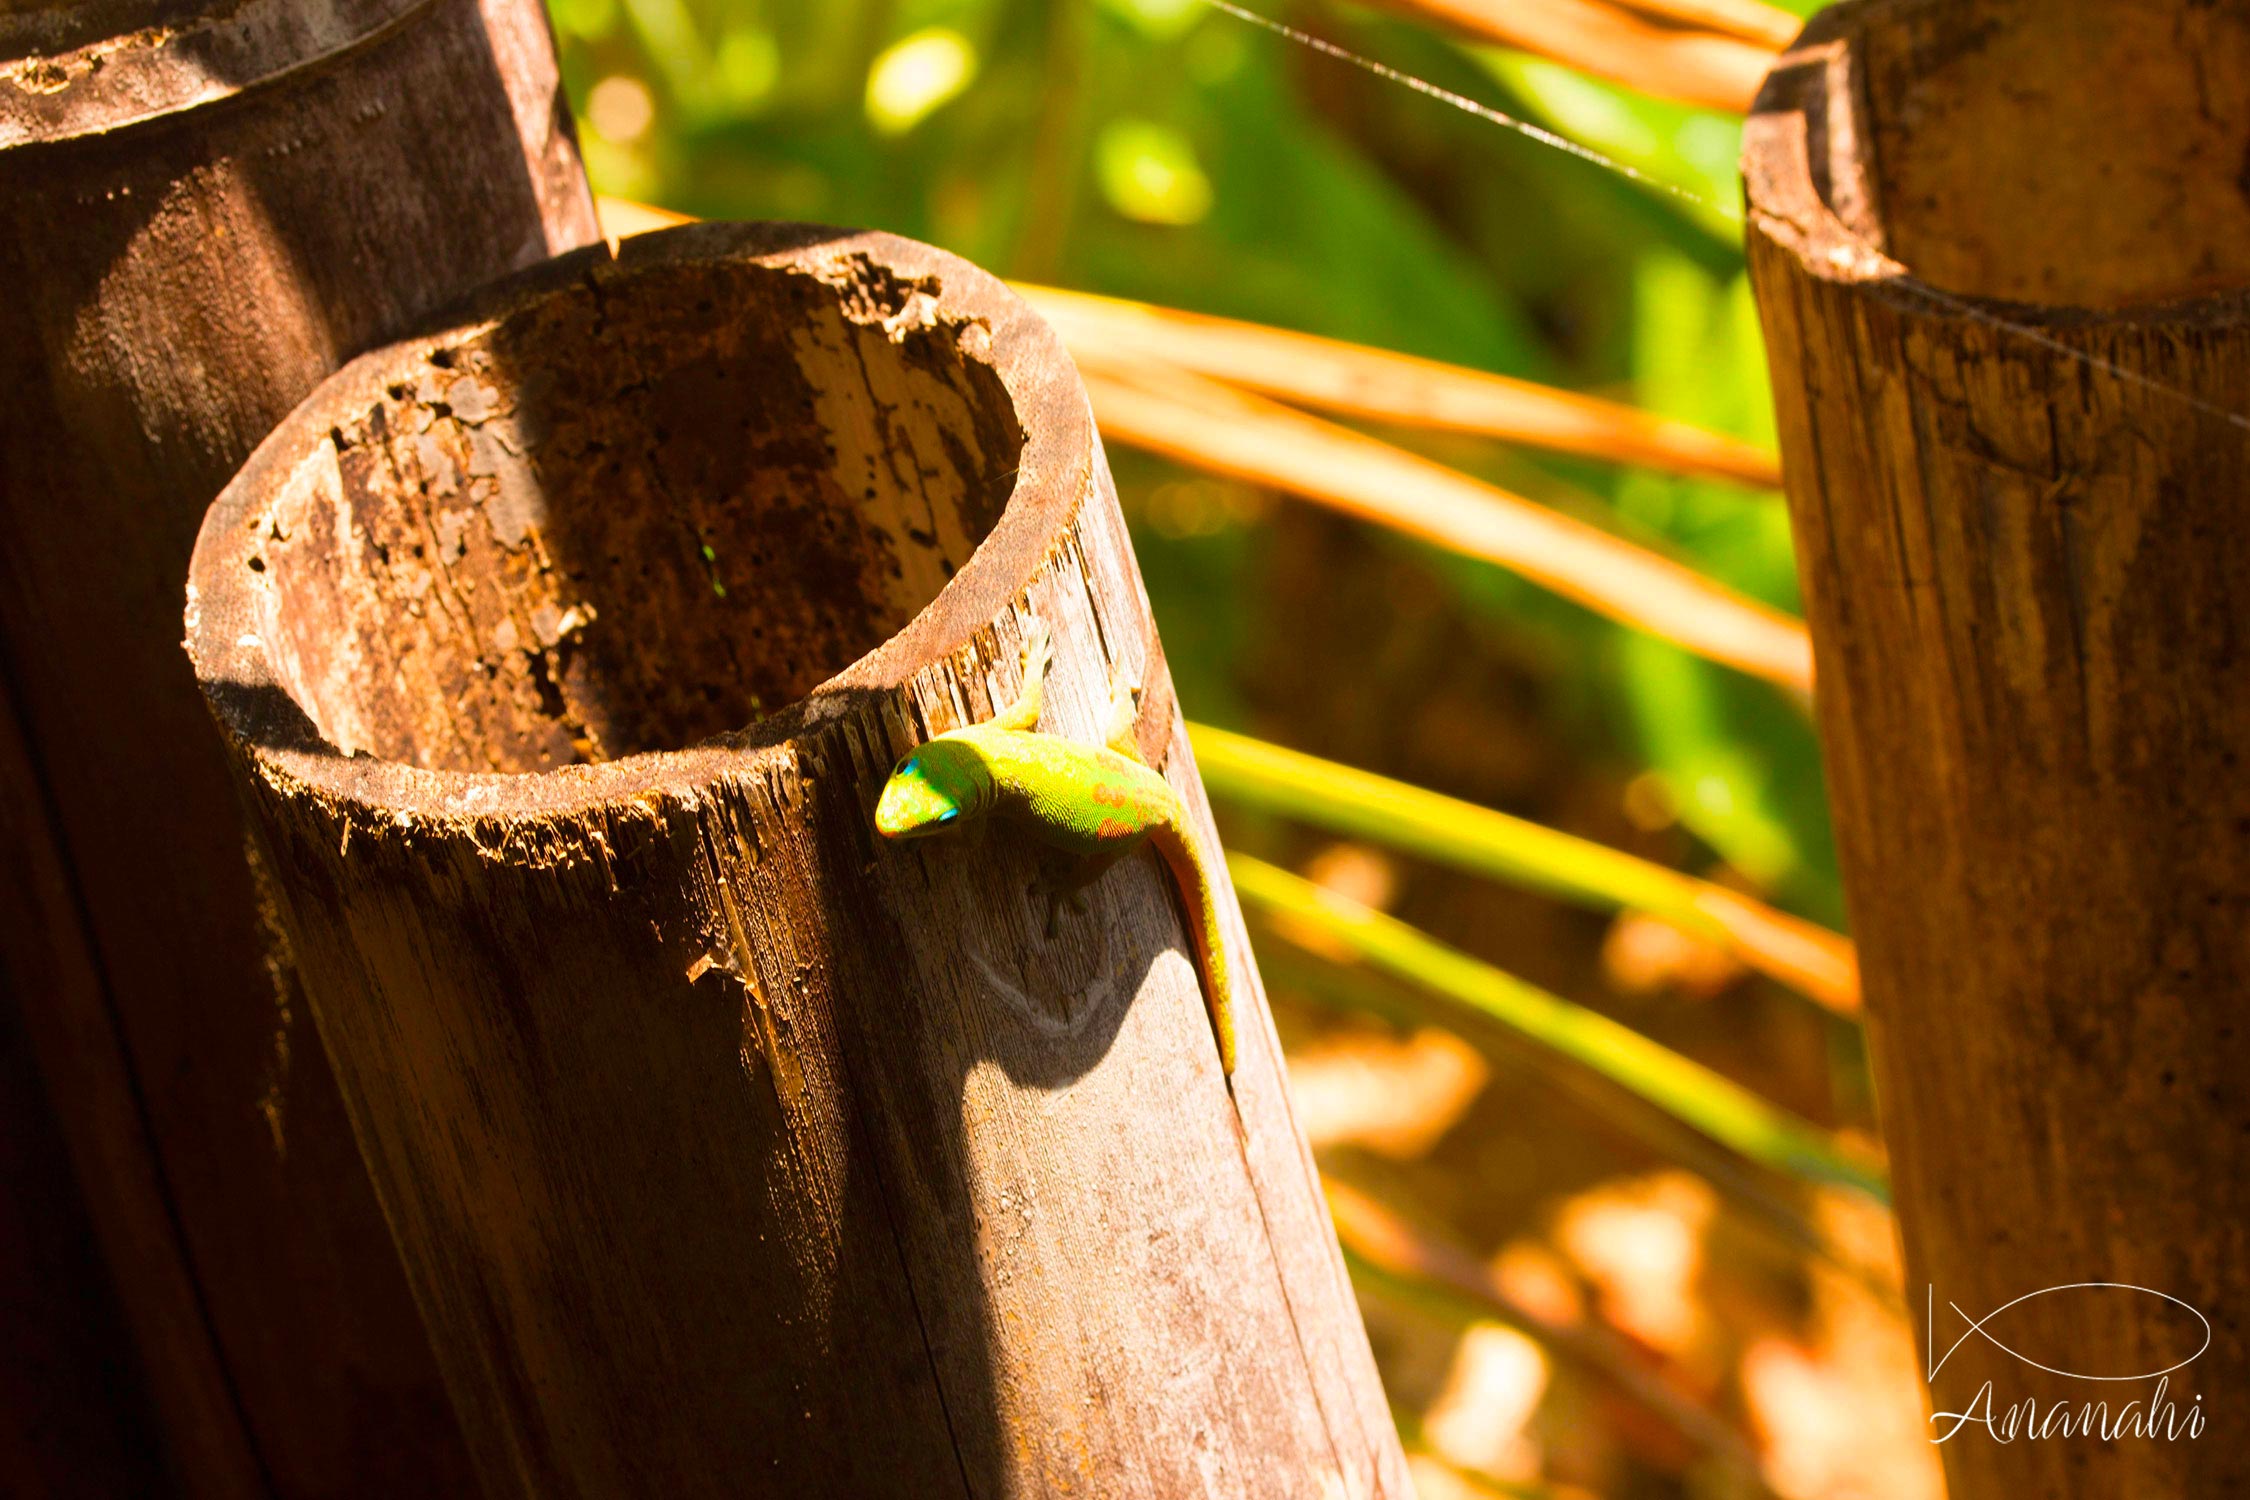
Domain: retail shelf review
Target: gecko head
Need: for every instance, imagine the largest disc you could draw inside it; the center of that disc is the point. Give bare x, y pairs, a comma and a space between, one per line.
931, 790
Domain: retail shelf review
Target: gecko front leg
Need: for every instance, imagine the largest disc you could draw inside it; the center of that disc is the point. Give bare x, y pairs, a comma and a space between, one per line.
1095, 806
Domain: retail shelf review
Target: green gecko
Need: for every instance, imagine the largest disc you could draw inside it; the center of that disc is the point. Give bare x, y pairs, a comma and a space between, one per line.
1097, 805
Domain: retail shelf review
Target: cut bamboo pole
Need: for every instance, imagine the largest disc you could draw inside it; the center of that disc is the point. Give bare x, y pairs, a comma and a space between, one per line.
209, 206
728, 1148
2011, 349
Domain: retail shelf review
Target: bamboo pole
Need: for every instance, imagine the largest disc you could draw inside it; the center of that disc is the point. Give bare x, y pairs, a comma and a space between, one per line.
2011, 350
209, 206
728, 1148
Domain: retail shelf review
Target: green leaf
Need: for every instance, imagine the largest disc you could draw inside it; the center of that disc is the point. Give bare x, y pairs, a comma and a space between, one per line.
1343, 799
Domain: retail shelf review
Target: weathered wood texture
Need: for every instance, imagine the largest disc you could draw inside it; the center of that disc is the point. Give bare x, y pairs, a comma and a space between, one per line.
208, 208
729, 1150
2000, 250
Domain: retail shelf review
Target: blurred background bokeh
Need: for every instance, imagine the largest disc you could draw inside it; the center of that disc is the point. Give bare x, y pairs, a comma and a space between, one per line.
1578, 1277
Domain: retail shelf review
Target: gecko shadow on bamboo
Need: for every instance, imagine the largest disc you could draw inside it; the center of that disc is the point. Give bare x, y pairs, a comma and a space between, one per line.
563, 651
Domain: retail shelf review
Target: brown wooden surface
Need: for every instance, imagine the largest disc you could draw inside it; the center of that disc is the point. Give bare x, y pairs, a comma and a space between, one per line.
201, 222
730, 1151
2026, 568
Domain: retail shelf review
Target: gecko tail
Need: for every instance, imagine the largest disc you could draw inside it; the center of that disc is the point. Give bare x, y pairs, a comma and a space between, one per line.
1192, 879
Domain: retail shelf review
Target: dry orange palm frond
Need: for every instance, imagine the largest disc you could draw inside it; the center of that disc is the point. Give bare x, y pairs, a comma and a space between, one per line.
1200, 421
1821, 963
1388, 387
1355, 379
1214, 426
1693, 66
1751, 20
622, 218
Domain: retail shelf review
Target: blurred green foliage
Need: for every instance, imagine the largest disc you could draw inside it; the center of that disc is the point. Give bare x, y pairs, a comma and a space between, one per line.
1161, 150
1719, 1108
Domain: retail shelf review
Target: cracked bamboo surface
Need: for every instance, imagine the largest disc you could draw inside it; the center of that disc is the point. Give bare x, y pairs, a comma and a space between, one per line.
209, 207
2011, 352
727, 1148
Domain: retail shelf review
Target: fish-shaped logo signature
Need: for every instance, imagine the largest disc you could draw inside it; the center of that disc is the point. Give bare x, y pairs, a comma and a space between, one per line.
1982, 1328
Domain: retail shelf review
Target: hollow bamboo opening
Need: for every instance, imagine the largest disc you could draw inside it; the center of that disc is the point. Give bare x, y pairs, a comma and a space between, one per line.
2075, 153
625, 522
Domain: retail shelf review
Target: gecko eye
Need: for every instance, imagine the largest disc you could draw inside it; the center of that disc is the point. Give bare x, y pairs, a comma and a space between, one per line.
949, 815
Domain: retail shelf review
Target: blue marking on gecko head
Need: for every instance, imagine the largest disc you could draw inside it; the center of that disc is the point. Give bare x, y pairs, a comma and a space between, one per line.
940, 783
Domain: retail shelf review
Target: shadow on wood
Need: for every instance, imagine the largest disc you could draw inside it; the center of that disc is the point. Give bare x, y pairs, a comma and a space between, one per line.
725, 1147
2012, 363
